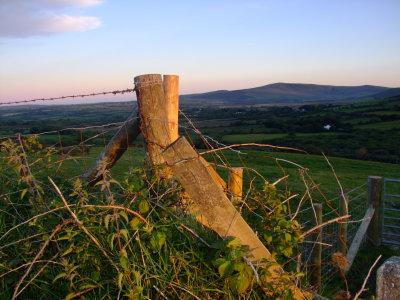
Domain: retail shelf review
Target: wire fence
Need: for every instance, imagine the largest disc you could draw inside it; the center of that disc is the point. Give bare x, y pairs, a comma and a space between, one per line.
74, 149
357, 206
115, 92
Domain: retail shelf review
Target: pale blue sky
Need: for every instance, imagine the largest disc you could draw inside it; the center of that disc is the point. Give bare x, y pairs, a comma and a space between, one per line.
58, 47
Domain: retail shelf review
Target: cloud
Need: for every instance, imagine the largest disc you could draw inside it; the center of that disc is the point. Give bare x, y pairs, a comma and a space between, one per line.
26, 18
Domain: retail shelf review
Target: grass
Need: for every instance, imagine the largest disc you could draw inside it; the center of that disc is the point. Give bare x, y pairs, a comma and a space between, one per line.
259, 138
381, 125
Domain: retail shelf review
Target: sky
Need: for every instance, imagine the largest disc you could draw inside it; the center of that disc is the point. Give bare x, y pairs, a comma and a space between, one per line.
51, 48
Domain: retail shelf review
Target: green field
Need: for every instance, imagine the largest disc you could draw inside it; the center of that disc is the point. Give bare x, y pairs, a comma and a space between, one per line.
259, 138
382, 125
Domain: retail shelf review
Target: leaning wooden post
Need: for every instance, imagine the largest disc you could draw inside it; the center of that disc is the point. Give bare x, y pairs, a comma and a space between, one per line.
154, 122
343, 211
115, 148
316, 269
375, 199
235, 184
222, 217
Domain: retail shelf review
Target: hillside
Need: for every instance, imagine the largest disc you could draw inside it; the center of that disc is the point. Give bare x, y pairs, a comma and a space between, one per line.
284, 93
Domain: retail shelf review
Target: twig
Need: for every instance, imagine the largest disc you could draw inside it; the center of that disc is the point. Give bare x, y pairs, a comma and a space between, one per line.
57, 229
31, 219
24, 265
84, 291
324, 224
250, 144
366, 278
118, 207
37, 274
337, 180
80, 224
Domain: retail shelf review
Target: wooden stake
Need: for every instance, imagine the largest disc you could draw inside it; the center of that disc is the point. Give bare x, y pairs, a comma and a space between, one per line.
235, 184
115, 148
374, 199
316, 268
171, 92
343, 211
154, 121
221, 215
358, 238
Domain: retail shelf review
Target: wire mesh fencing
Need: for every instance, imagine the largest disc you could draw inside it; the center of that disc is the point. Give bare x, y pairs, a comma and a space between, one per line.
330, 239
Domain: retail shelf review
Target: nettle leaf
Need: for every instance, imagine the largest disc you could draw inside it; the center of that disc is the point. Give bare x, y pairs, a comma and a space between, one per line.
143, 206
240, 283
111, 240
238, 266
120, 277
234, 243
107, 220
124, 215
218, 262
134, 223
124, 263
124, 233
158, 239
288, 237
225, 269
268, 237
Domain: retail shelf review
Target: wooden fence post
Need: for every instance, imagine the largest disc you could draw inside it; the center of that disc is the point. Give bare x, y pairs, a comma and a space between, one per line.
375, 199
222, 217
235, 184
171, 91
115, 148
153, 117
316, 269
343, 211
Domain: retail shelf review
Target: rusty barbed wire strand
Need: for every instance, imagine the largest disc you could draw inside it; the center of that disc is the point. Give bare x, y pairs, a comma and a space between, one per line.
71, 96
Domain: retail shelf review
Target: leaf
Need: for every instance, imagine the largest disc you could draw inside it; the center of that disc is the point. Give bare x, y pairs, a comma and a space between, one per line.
69, 250
218, 262
107, 220
87, 286
124, 263
99, 182
134, 223
61, 275
143, 206
268, 237
158, 239
288, 237
120, 277
70, 296
240, 283
234, 243
111, 238
23, 193
124, 215
225, 269
238, 266
124, 233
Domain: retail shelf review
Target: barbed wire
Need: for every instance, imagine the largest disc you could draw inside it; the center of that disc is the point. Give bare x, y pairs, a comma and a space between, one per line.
71, 96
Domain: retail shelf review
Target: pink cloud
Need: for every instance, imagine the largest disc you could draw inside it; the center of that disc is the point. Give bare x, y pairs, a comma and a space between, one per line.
21, 18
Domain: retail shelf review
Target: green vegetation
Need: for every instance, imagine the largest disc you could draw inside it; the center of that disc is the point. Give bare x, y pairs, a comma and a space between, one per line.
61, 239
169, 253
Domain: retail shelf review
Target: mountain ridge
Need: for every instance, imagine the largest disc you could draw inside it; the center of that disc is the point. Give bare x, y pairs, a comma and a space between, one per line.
287, 92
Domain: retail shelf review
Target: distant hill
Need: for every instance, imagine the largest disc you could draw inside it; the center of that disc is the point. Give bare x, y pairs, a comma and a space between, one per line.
394, 92
285, 93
